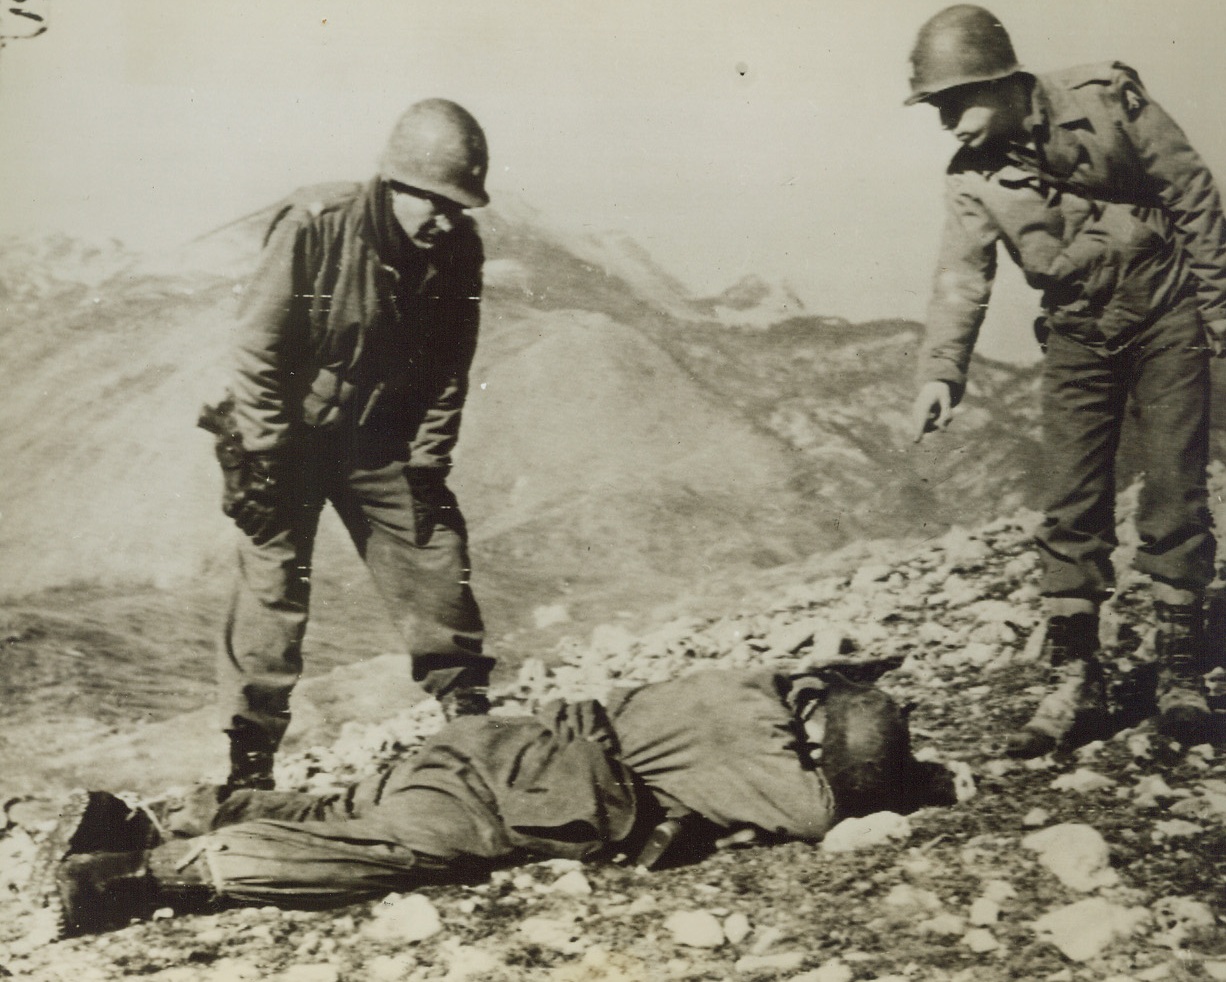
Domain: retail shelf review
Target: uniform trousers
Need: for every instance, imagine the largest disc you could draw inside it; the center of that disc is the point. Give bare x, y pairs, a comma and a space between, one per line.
1160, 377
410, 533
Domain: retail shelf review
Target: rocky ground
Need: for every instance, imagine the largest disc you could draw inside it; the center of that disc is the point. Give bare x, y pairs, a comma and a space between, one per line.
1106, 864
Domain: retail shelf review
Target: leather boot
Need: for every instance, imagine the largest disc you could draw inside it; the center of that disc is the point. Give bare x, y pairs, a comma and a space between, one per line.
98, 821
1183, 707
1075, 711
105, 891
98, 868
252, 752
88, 822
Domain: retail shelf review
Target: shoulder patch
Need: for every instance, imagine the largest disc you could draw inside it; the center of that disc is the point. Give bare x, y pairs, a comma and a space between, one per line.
1133, 99
1099, 73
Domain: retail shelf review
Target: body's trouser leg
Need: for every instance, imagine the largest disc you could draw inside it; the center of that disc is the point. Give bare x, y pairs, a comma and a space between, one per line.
260, 655
415, 543
1164, 372
347, 847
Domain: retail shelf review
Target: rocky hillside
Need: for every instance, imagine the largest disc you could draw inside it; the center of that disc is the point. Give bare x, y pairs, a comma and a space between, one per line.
1106, 864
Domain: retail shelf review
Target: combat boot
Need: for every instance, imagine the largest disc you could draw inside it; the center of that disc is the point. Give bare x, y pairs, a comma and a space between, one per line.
94, 892
1075, 711
98, 868
252, 753
1183, 706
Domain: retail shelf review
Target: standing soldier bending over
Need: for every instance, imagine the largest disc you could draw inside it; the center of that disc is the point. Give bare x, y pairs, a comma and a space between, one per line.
1096, 194
355, 338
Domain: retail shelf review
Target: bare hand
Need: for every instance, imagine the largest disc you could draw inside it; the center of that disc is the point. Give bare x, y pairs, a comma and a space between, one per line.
932, 410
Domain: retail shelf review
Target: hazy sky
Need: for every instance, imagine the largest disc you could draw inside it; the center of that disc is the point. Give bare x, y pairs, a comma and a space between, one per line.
762, 136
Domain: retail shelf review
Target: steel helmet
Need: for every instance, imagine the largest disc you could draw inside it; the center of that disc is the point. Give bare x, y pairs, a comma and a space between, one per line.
961, 45
439, 147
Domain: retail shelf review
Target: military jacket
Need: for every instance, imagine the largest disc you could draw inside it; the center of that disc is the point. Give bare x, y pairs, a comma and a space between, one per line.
1106, 208
333, 336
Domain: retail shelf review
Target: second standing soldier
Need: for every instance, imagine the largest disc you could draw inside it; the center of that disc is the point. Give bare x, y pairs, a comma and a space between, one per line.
1097, 195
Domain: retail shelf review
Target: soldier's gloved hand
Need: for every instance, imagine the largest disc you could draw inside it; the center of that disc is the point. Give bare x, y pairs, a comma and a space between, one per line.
434, 504
1215, 332
254, 501
932, 409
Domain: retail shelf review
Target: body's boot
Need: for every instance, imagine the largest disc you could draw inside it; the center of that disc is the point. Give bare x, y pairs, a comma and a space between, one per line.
104, 891
1075, 710
1183, 707
101, 867
252, 752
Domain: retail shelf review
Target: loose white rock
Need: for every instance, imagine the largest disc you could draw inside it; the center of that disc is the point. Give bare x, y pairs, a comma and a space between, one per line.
999, 892
1084, 929
868, 832
910, 898
573, 883
642, 905
980, 940
736, 928
1083, 781
765, 939
783, 961
984, 912
466, 962
1075, 853
695, 928
947, 924
1150, 788
409, 918
1207, 805
1175, 828
1036, 817
558, 933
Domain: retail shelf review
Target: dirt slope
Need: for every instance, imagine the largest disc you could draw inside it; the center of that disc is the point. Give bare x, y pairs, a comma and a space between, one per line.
1106, 864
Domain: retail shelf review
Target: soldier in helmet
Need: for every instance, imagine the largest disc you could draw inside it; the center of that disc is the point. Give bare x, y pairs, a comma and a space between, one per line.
1097, 195
354, 341
651, 771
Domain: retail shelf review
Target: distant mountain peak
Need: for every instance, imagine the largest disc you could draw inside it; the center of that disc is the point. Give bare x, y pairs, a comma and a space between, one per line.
752, 301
